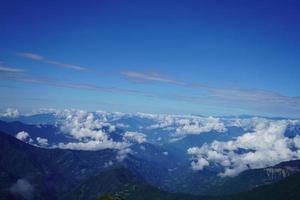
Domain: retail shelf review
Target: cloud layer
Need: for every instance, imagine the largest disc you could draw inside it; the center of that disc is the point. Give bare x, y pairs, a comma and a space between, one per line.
10, 112
260, 142
184, 125
264, 146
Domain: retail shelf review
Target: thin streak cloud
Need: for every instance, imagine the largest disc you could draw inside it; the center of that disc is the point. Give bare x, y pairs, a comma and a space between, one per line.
232, 97
259, 100
40, 58
8, 69
81, 86
141, 77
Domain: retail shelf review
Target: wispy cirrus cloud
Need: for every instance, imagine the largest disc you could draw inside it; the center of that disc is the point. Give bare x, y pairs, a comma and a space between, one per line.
80, 86
256, 96
8, 69
257, 99
154, 77
233, 98
40, 58
142, 77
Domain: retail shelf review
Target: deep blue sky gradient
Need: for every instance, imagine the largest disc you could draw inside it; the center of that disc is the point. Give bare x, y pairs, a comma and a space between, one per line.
240, 45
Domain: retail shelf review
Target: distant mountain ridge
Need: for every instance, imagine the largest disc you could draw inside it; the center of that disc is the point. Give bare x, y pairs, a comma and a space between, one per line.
156, 151
166, 166
53, 172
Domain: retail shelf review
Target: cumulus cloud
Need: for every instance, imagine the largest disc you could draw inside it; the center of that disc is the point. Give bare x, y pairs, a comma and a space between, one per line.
186, 124
123, 153
199, 164
10, 112
135, 136
91, 130
200, 125
42, 141
22, 188
265, 146
23, 136
297, 142
82, 124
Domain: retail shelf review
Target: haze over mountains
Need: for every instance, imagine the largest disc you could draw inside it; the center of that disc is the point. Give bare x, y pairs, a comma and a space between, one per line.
189, 154
150, 100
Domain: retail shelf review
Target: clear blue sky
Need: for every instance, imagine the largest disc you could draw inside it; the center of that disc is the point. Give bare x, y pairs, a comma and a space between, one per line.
211, 57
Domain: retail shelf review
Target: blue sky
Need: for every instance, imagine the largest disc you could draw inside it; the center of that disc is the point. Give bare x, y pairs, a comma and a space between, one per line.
200, 57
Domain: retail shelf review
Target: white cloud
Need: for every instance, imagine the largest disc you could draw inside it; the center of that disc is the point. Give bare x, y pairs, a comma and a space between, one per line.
123, 153
31, 56
7, 69
10, 112
297, 141
200, 164
81, 124
22, 188
143, 77
176, 139
266, 145
262, 101
262, 144
42, 111
42, 141
135, 136
23, 136
91, 130
124, 126
200, 125
93, 145
40, 58
183, 125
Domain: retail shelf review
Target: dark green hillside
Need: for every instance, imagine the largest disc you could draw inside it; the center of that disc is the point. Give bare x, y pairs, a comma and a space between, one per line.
107, 182
66, 174
122, 184
51, 171
286, 189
